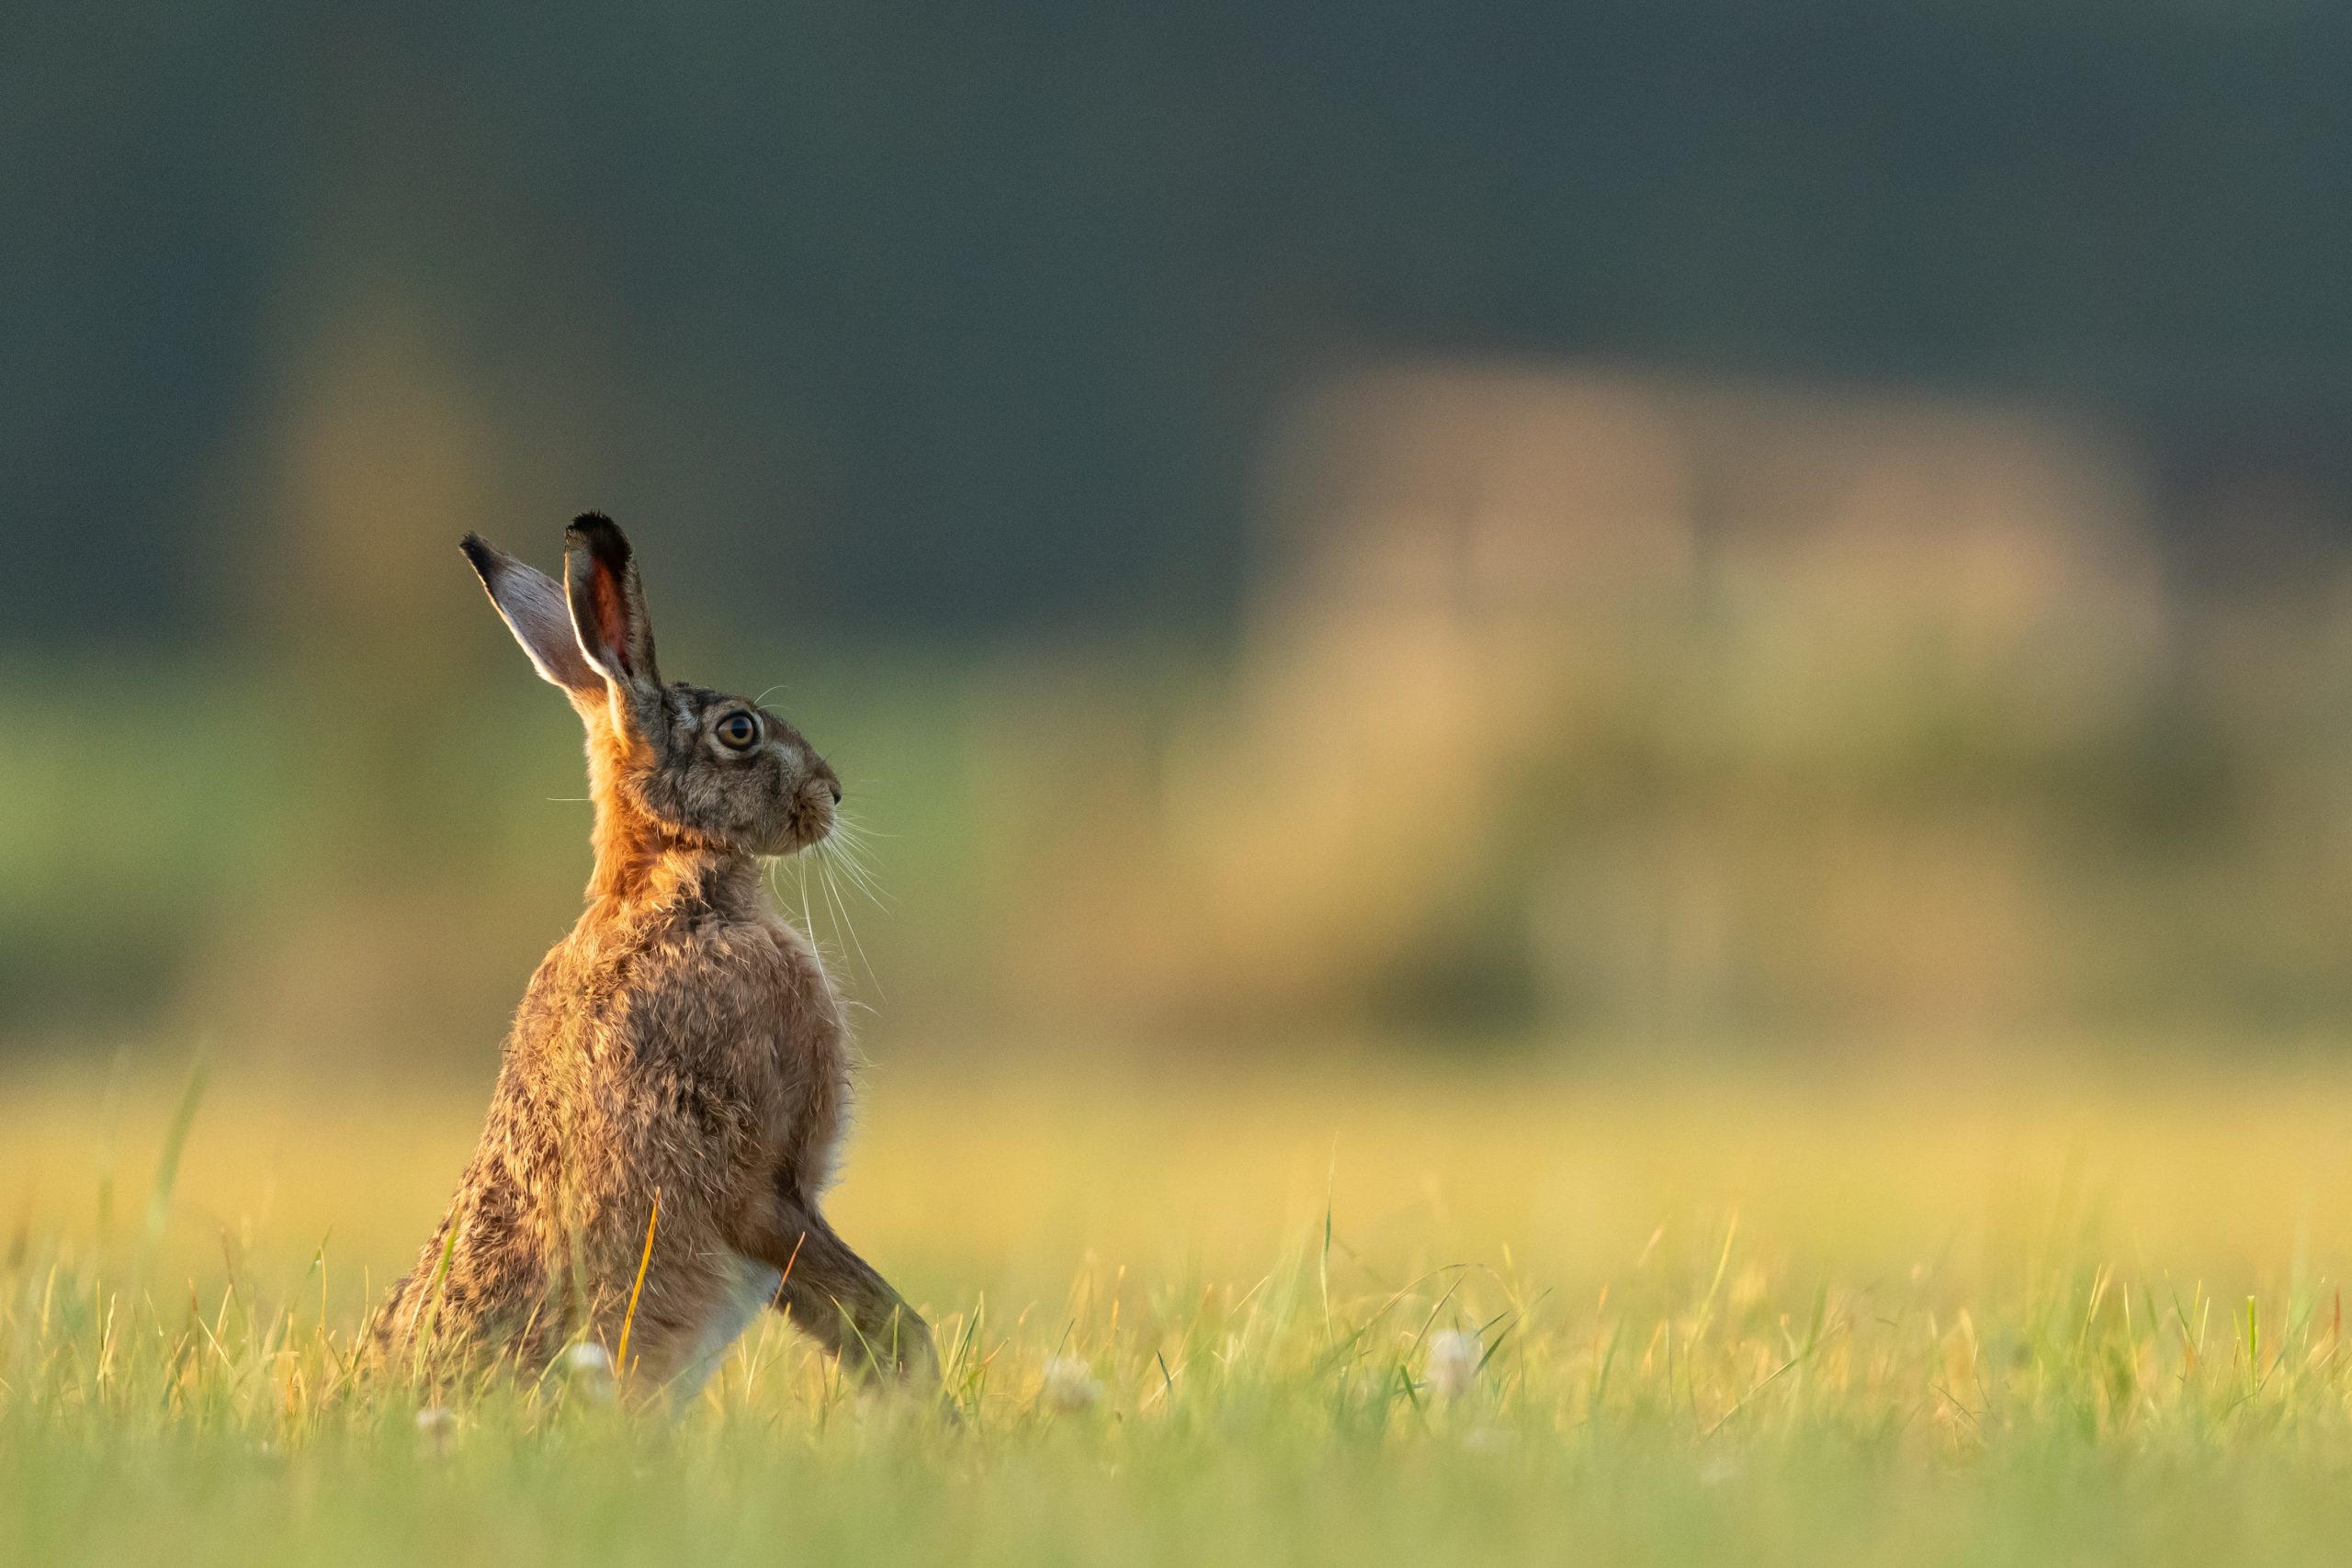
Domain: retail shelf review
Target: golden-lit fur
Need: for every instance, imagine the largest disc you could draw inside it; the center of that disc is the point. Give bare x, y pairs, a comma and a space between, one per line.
683, 1045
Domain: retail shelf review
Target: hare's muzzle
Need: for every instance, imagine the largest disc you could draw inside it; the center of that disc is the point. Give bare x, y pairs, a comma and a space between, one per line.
820, 792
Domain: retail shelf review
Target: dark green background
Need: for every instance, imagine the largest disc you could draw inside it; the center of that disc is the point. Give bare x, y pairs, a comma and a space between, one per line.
966, 317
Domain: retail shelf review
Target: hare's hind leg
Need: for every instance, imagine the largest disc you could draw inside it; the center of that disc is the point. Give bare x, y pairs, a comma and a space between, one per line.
835, 1297
749, 1285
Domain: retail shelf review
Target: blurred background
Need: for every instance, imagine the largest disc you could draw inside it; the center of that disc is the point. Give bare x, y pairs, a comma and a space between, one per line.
1714, 529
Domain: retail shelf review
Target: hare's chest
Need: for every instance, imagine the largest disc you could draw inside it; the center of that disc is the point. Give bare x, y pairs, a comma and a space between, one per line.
814, 1062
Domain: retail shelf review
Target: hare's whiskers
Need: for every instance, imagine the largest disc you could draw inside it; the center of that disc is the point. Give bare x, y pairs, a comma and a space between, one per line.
807, 920
841, 913
850, 844
860, 876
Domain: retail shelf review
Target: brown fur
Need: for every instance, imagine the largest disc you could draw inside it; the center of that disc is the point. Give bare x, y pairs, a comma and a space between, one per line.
684, 1041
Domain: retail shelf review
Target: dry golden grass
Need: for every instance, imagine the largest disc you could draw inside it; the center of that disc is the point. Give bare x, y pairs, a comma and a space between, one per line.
971, 1179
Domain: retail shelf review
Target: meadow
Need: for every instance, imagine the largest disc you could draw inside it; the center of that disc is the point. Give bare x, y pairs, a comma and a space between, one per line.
1360, 1309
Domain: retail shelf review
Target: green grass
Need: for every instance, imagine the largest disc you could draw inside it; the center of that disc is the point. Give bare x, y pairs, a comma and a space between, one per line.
1739, 1323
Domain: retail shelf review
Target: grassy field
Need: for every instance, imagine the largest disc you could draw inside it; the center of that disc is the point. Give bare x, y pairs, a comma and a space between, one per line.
1360, 1314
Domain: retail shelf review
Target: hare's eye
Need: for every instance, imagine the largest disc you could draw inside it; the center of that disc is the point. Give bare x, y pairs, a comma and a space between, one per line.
739, 731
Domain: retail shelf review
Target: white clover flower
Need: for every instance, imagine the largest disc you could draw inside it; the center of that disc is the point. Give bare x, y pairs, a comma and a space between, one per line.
1452, 1362
1070, 1385
588, 1359
437, 1426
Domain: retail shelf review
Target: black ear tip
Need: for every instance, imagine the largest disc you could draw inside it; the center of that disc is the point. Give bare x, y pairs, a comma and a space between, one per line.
481, 553
600, 534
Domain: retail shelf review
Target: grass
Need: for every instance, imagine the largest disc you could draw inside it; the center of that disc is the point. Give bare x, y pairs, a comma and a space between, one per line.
2021, 1317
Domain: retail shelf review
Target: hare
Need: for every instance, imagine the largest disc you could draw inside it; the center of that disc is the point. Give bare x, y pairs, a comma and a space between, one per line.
674, 1087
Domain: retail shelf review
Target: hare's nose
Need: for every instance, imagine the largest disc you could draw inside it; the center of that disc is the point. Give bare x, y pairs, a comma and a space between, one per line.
835, 785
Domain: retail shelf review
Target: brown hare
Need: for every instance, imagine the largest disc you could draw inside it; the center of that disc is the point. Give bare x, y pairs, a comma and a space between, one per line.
674, 1087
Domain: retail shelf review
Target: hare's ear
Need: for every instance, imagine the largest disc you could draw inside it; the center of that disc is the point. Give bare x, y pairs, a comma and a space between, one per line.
609, 617
531, 605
